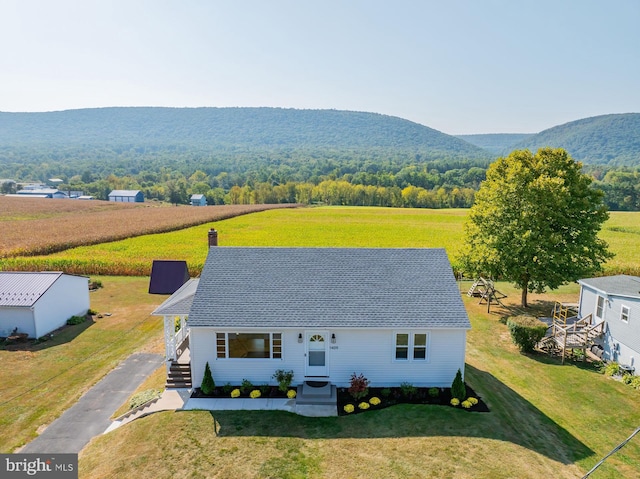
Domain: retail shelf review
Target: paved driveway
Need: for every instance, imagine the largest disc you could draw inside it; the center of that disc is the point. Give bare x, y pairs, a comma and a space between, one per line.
90, 415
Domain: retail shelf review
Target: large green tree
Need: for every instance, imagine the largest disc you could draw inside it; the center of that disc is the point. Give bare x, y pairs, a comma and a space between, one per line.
535, 222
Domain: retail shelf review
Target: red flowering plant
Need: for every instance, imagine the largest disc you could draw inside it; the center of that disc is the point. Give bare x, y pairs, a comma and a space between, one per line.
359, 387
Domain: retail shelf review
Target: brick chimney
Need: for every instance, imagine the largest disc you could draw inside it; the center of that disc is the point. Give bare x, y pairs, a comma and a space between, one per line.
213, 238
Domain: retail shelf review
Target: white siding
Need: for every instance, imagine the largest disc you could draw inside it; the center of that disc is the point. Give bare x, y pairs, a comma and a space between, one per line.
370, 352
68, 296
622, 339
14, 317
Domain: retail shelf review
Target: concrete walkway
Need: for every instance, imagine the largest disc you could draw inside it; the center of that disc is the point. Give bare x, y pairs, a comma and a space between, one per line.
179, 399
90, 416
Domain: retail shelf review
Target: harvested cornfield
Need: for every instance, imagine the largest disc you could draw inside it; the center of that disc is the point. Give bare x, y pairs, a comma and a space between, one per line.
36, 226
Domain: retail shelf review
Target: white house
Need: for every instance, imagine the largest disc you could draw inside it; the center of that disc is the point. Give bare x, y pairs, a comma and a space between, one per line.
616, 301
394, 315
38, 303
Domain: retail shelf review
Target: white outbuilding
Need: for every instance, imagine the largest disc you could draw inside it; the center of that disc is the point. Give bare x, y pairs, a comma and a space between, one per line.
38, 303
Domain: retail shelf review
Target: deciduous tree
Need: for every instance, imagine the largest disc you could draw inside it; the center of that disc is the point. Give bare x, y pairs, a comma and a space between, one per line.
535, 222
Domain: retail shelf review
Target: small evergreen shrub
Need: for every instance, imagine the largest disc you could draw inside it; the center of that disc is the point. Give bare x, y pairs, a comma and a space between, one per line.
208, 384
434, 392
227, 388
458, 389
76, 320
526, 332
386, 392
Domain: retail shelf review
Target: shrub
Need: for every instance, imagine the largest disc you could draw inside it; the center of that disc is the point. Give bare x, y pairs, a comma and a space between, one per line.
408, 389
291, 393
526, 332
611, 369
386, 392
472, 400
454, 401
363, 405
466, 404
284, 379
246, 386
76, 320
235, 393
458, 389
374, 401
434, 392
255, 394
348, 408
208, 384
227, 388
359, 387
635, 382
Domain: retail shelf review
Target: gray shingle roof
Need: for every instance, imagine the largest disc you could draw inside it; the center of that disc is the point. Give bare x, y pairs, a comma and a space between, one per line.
23, 289
179, 303
619, 285
327, 287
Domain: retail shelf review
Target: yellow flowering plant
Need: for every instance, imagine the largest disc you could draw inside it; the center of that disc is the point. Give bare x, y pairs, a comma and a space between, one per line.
472, 400
235, 393
454, 402
291, 393
348, 408
374, 401
363, 405
466, 404
255, 394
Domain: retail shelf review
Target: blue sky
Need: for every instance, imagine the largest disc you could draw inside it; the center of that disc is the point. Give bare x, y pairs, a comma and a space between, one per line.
465, 66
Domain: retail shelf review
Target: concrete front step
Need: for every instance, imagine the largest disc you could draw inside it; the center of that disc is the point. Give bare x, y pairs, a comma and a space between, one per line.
309, 395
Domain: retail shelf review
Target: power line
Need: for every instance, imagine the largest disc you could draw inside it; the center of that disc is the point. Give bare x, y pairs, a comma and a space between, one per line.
615, 449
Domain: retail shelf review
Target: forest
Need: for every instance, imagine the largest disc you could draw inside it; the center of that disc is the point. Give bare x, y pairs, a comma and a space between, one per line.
274, 155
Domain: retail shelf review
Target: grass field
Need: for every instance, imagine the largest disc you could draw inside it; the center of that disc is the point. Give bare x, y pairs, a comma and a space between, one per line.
321, 226
546, 420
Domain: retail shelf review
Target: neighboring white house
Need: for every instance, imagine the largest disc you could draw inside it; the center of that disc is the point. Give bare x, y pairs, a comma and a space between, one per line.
127, 196
198, 200
394, 315
38, 303
616, 301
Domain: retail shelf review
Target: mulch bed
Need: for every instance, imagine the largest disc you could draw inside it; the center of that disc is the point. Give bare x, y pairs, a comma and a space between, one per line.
225, 392
392, 396
388, 397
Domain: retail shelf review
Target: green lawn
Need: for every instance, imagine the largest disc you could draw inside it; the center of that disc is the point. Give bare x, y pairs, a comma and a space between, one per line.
321, 226
547, 420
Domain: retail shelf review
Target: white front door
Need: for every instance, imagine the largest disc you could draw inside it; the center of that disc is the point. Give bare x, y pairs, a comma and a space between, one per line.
317, 345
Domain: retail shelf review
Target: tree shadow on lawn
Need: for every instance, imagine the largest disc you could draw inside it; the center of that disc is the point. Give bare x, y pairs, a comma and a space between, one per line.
512, 419
62, 335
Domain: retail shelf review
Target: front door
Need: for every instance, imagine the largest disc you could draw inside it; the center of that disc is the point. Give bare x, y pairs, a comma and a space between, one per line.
317, 343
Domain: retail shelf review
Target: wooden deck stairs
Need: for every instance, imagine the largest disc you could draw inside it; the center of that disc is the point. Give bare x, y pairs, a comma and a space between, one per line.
567, 333
179, 376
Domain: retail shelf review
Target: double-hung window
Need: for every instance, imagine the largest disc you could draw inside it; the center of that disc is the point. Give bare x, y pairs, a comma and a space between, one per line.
624, 313
249, 345
411, 346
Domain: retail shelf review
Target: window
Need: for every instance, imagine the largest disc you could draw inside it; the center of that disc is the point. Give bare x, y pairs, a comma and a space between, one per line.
411, 346
249, 345
624, 313
600, 307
